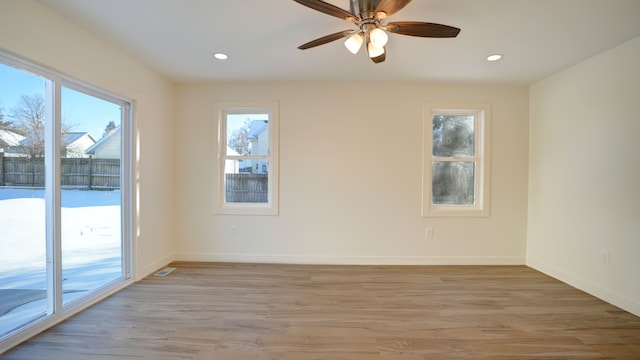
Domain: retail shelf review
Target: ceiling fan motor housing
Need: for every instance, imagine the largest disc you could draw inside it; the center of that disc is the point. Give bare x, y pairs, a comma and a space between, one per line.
364, 8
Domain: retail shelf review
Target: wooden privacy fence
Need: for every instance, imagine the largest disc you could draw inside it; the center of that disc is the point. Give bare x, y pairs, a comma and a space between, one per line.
242, 188
87, 173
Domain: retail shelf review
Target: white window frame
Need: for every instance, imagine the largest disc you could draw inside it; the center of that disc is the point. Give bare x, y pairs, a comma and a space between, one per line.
482, 159
221, 110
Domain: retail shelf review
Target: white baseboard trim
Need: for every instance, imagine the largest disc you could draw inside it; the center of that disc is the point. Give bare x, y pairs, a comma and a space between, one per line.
149, 269
619, 300
352, 260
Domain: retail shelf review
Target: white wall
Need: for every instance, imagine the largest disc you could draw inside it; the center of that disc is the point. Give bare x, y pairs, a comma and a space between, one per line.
584, 174
33, 32
351, 167
350, 177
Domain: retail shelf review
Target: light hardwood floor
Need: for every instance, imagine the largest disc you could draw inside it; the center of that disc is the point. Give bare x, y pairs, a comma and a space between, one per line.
249, 311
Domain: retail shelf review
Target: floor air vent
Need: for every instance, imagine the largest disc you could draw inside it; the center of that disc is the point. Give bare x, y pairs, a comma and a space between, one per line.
164, 272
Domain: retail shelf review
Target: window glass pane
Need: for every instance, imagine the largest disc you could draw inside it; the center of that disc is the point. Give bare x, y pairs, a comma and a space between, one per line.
247, 134
453, 136
24, 289
251, 185
453, 183
91, 201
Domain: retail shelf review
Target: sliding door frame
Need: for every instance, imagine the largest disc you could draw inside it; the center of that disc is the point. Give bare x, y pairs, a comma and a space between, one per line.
56, 311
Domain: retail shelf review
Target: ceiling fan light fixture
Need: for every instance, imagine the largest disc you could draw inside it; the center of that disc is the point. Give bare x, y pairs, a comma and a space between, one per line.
354, 43
378, 37
370, 17
374, 51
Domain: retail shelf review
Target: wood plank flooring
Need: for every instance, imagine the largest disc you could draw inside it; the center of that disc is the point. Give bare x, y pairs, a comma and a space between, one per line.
205, 311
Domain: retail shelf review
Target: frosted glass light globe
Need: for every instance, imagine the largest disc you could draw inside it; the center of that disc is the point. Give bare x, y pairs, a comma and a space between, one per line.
378, 37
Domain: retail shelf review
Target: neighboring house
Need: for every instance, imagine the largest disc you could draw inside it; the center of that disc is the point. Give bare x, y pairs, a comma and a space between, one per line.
259, 137
108, 147
9, 139
74, 144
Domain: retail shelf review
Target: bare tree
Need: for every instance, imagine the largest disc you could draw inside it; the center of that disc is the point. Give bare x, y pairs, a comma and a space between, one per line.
29, 120
239, 139
29, 112
3, 124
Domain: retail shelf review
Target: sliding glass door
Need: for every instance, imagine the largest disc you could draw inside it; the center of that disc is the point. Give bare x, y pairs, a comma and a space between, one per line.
64, 195
91, 198
24, 288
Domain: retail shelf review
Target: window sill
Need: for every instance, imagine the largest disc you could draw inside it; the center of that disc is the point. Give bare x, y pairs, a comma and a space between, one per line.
246, 209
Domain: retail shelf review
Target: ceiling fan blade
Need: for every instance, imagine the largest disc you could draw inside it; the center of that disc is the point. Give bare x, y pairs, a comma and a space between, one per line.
326, 39
328, 9
422, 29
380, 58
390, 7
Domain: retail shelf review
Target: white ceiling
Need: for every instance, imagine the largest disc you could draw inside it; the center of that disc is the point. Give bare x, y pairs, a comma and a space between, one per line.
178, 37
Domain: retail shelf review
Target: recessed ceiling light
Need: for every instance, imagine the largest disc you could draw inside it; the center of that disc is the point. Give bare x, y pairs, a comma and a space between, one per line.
220, 56
494, 57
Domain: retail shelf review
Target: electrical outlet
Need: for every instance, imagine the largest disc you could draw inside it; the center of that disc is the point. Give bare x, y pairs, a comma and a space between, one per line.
606, 258
234, 232
428, 233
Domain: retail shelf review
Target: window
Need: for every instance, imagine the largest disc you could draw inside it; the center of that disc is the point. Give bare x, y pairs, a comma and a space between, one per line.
65, 203
456, 160
247, 166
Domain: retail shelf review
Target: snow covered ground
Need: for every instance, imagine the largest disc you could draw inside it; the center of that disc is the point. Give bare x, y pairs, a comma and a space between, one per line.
91, 249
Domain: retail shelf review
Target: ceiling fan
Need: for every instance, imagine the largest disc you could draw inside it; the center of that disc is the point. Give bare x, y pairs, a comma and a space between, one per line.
369, 16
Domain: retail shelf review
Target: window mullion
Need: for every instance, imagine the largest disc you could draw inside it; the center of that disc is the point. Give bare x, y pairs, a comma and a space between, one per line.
128, 178
52, 194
